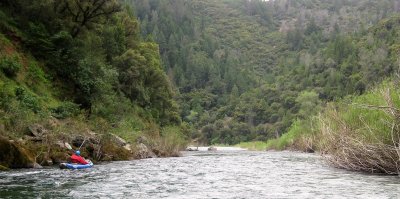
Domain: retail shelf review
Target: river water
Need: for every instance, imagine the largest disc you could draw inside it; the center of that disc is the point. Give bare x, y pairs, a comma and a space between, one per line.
202, 174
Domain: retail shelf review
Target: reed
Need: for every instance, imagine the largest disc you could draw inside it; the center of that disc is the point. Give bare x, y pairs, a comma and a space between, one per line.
365, 134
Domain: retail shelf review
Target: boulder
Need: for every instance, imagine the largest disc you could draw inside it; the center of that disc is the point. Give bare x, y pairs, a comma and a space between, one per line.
36, 166
37, 131
48, 162
192, 148
142, 139
83, 141
212, 148
14, 156
118, 140
54, 122
128, 148
60, 144
3, 168
33, 139
142, 151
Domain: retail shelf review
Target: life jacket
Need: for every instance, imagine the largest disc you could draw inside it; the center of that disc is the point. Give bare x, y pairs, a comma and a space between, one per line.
78, 159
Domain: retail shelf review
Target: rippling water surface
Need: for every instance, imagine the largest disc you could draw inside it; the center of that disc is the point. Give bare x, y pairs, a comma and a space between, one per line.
202, 174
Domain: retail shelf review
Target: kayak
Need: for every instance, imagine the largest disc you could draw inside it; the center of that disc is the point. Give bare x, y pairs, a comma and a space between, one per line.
76, 166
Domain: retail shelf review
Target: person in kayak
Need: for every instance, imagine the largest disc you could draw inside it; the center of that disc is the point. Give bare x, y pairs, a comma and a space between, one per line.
77, 158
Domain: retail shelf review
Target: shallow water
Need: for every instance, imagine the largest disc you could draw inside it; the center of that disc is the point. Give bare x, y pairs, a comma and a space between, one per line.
202, 174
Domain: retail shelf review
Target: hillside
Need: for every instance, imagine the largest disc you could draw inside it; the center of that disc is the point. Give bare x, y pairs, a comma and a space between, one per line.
84, 77
245, 70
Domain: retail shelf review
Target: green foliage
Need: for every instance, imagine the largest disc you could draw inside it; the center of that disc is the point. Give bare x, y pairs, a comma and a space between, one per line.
309, 103
88, 67
363, 117
28, 100
361, 133
65, 110
239, 70
300, 136
17, 111
6, 96
144, 82
173, 139
255, 61
36, 75
10, 65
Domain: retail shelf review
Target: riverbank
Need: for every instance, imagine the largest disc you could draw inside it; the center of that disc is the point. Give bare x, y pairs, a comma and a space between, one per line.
359, 133
97, 86
42, 145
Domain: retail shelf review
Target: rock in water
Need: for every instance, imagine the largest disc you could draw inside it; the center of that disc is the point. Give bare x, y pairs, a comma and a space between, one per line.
144, 152
212, 148
36, 166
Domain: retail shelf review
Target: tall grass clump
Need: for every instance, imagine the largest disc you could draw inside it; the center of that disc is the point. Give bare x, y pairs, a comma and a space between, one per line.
172, 140
300, 137
364, 135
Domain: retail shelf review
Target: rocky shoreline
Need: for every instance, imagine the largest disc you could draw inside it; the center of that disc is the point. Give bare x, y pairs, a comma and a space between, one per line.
41, 147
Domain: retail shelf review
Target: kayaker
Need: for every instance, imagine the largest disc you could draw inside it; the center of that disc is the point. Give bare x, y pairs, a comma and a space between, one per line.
77, 158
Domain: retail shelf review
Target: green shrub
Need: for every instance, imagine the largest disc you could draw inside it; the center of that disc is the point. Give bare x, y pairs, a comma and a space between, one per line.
172, 140
66, 109
6, 97
301, 136
28, 100
35, 74
10, 65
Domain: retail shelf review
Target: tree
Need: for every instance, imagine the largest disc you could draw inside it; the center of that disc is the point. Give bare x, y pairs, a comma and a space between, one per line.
83, 13
309, 103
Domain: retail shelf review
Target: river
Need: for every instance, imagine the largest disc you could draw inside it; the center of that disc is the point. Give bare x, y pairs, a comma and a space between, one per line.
202, 174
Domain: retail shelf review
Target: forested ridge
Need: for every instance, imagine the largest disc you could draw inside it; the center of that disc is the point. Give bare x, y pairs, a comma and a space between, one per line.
162, 73
245, 70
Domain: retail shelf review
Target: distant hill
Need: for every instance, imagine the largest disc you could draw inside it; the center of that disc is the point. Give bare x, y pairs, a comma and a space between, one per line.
246, 69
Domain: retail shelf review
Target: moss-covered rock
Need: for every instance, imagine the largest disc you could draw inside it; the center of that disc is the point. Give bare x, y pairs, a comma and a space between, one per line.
3, 168
14, 156
111, 150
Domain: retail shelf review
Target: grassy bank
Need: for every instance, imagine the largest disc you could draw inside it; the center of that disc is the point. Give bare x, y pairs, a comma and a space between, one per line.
364, 135
301, 137
360, 133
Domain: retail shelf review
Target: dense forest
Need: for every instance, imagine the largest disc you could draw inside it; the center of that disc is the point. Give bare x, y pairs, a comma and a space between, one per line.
245, 70
80, 72
160, 73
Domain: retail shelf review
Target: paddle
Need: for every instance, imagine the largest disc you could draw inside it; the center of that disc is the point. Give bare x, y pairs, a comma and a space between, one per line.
68, 146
